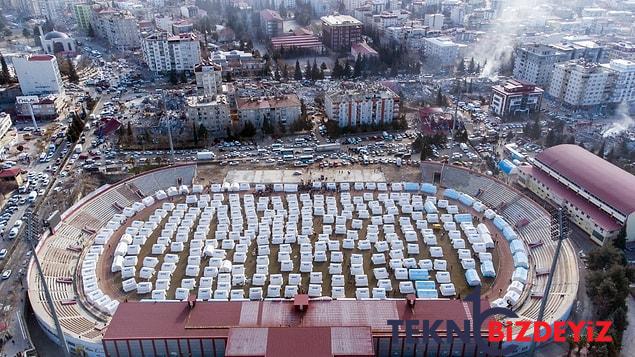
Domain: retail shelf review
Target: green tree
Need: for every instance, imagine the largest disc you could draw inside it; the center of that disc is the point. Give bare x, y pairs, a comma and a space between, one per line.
203, 134
357, 69
276, 74
194, 133
26, 33
249, 130
183, 77
73, 77
460, 68
174, 79
298, 71
5, 75
267, 126
440, 98
91, 30
471, 66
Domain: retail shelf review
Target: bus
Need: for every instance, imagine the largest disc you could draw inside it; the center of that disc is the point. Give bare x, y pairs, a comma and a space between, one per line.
306, 158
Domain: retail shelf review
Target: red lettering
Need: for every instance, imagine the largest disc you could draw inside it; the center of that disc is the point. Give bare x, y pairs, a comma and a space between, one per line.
559, 330
576, 329
540, 326
603, 335
509, 334
495, 331
589, 331
522, 334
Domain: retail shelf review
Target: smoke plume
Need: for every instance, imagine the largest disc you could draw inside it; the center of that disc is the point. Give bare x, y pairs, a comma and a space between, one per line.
622, 123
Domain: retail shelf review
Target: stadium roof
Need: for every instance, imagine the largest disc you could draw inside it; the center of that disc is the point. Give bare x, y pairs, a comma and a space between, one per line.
138, 320
597, 176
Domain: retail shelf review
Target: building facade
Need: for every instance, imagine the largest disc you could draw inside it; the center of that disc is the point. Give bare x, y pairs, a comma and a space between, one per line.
596, 193
515, 97
534, 63
5, 124
271, 23
58, 42
238, 63
339, 32
119, 28
165, 52
375, 105
442, 51
280, 110
209, 79
38, 74
433, 21
210, 111
83, 14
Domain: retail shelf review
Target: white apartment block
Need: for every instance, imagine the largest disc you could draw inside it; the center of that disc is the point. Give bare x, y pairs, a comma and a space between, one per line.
119, 28
375, 105
209, 79
38, 74
621, 86
165, 52
211, 112
534, 63
580, 84
281, 110
434, 21
442, 50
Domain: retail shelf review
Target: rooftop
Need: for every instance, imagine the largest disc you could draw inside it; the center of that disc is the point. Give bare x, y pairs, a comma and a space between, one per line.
280, 101
340, 20
270, 15
597, 176
216, 318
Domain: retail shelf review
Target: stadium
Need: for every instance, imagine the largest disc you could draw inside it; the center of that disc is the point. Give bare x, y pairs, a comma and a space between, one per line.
162, 264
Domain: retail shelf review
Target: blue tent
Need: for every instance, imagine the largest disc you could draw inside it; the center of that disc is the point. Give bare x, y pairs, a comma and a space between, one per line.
521, 260
425, 285
462, 217
451, 194
430, 207
466, 199
516, 246
500, 223
418, 274
509, 234
428, 188
411, 186
427, 294
507, 167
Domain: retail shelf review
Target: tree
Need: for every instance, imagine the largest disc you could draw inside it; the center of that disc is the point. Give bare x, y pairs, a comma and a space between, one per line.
285, 71
91, 31
298, 72
194, 133
26, 33
323, 66
282, 10
173, 77
203, 134
337, 70
129, 130
460, 68
440, 98
470, 67
307, 70
267, 126
249, 130
276, 74
72, 72
315, 72
183, 77
5, 75
357, 70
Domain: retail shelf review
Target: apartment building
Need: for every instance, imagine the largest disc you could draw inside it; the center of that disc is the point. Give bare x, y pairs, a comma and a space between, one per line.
83, 14
534, 63
362, 105
238, 63
119, 28
271, 23
165, 52
280, 110
339, 32
443, 51
433, 21
209, 80
38, 74
210, 111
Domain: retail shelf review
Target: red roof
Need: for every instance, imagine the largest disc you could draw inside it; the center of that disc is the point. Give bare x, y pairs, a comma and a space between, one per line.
598, 216
41, 57
12, 172
595, 175
137, 320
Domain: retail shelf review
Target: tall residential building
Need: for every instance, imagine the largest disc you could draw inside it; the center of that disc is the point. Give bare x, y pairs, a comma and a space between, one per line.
238, 63
339, 32
443, 51
38, 74
5, 124
534, 63
165, 52
434, 21
280, 110
119, 28
271, 23
209, 79
362, 105
579, 84
83, 13
212, 112
621, 84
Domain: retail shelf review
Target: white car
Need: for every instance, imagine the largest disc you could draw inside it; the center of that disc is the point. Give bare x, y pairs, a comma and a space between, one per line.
6, 274
13, 232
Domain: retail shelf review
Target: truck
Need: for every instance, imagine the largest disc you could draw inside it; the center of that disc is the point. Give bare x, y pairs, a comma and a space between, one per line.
464, 147
328, 147
78, 149
205, 155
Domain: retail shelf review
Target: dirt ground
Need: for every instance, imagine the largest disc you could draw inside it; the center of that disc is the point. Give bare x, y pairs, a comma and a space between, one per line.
111, 283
